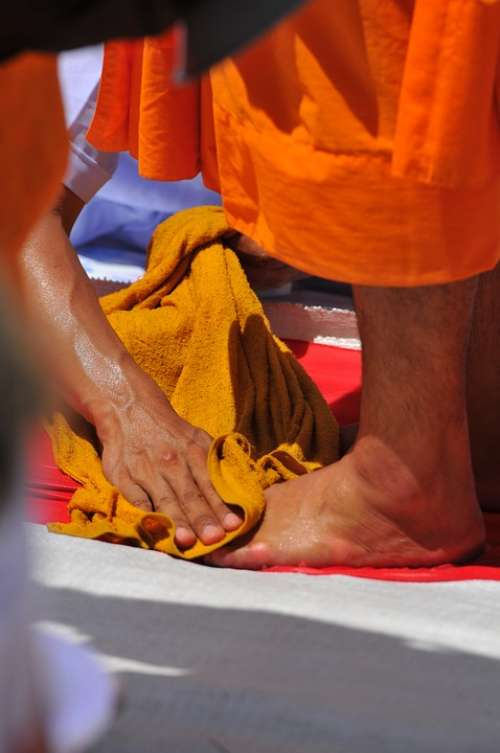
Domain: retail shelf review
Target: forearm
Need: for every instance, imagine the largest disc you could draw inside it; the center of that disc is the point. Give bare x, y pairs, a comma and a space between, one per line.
157, 460
75, 341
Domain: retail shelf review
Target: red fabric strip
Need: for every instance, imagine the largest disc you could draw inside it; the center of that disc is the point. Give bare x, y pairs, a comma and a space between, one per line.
337, 373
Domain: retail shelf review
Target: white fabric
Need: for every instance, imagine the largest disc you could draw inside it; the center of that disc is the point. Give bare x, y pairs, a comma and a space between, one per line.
128, 268
88, 169
114, 229
259, 663
79, 73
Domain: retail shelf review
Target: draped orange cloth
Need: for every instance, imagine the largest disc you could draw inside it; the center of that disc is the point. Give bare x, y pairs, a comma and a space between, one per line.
359, 140
32, 146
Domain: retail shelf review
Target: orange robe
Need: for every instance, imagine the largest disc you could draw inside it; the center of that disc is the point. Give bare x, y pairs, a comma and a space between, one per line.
358, 141
32, 146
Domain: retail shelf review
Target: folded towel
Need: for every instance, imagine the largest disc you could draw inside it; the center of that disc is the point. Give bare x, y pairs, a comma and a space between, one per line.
194, 324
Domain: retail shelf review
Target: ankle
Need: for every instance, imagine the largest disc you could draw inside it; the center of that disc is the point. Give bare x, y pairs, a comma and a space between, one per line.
415, 463
381, 468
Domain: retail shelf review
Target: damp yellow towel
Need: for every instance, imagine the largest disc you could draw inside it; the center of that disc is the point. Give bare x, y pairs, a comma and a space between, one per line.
195, 325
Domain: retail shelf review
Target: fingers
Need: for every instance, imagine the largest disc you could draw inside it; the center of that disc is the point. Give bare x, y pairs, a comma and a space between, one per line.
134, 494
150, 492
202, 507
175, 483
203, 520
229, 520
118, 475
179, 497
165, 500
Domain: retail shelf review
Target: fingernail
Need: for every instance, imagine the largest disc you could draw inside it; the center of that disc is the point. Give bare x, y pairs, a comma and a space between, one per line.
184, 536
232, 521
212, 533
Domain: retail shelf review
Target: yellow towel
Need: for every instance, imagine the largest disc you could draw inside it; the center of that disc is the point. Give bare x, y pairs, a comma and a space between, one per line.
194, 324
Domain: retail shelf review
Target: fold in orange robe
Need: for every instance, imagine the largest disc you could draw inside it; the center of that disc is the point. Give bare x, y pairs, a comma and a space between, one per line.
32, 146
358, 141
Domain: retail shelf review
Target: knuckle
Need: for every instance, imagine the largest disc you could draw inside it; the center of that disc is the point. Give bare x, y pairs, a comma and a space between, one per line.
219, 508
216, 507
193, 499
165, 502
127, 487
137, 478
141, 502
212, 497
207, 489
193, 449
202, 521
199, 441
115, 475
176, 515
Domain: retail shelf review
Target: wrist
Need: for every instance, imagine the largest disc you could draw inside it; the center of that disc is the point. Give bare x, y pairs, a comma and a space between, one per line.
112, 389
130, 389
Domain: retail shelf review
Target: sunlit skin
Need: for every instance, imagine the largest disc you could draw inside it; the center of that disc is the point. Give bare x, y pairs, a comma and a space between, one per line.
406, 490
154, 457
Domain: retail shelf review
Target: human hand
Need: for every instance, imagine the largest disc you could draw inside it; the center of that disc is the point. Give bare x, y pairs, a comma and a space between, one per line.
158, 462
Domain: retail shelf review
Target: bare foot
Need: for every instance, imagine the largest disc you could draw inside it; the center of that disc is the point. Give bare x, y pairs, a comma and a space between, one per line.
404, 496
366, 510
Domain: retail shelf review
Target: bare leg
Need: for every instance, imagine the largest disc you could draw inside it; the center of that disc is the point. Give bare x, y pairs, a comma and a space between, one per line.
483, 390
404, 495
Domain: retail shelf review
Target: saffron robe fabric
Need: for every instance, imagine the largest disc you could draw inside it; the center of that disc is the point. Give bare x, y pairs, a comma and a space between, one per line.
359, 140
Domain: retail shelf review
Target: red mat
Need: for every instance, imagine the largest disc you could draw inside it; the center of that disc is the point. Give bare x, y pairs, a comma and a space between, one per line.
337, 373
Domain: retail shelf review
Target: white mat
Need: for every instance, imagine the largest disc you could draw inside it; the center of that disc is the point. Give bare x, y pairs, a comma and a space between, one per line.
217, 661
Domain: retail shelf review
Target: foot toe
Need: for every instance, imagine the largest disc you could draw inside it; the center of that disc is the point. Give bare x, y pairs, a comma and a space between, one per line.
252, 557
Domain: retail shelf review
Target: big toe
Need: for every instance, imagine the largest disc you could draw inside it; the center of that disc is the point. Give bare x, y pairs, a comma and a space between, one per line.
255, 556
